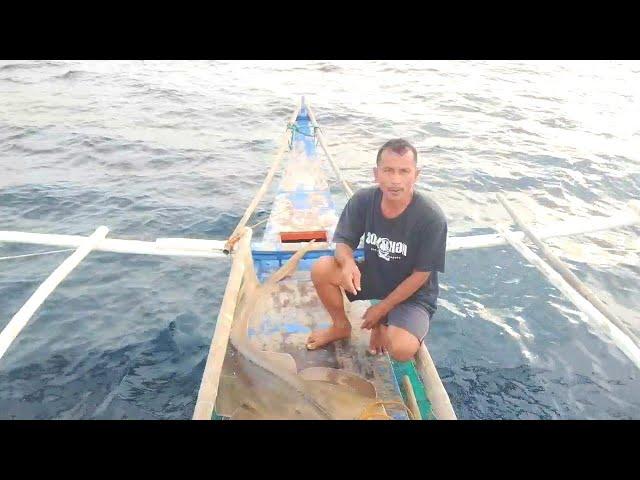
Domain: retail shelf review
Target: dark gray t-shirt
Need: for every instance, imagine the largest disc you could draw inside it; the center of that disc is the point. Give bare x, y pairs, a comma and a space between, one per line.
394, 248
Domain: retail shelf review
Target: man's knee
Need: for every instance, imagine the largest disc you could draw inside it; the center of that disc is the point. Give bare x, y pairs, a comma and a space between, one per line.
401, 345
402, 353
323, 269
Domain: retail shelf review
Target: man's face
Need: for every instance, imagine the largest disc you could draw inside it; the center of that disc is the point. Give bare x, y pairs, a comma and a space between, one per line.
396, 175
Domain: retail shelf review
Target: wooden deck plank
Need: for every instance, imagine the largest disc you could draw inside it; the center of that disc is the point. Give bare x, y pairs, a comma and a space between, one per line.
296, 310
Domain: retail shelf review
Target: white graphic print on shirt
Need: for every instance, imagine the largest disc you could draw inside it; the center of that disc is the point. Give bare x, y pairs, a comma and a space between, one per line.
385, 247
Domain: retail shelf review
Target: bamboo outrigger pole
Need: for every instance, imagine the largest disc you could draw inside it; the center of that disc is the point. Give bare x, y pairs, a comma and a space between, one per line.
208, 392
320, 136
205, 248
567, 274
552, 230
623, 341
20, 319
284, 144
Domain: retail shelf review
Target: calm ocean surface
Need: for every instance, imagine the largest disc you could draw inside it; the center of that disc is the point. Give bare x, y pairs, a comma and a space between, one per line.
159, 148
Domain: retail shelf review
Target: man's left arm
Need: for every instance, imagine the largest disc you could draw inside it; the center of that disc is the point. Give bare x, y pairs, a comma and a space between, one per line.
407, 287
430, 257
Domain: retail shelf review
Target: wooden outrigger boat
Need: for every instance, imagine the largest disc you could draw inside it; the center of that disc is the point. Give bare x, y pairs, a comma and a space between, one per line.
304, 211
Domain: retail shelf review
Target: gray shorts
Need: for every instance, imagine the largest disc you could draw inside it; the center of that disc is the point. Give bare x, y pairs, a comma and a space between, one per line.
409, 315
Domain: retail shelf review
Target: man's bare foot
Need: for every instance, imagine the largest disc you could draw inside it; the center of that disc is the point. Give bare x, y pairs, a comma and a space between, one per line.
376, 341
320, 338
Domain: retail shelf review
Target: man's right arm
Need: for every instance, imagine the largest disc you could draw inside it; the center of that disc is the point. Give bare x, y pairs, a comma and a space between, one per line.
350, 278
344, 255
349, 230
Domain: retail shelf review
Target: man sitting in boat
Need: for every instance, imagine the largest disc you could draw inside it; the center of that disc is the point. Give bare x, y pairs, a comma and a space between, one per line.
405, 235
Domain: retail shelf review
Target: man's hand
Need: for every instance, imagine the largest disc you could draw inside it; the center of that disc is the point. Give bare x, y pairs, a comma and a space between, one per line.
351, 278
373, 315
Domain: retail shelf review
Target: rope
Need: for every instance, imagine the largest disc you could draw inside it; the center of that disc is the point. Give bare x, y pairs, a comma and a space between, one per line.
259, 223
294, 129
36, 254
320, 141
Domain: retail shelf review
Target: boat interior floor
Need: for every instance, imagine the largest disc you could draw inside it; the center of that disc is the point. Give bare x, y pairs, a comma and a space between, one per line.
295, 310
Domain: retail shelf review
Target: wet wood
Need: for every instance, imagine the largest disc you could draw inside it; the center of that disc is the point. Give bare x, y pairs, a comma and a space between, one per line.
211, 378
436, 393
412, 402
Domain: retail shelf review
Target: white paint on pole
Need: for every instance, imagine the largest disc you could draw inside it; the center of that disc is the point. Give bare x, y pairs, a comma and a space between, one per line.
622, 341
191, 244
187, 247
20, 319
561, 229
204, 248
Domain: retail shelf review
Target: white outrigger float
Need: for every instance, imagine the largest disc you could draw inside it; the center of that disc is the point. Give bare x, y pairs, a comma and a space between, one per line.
268, 322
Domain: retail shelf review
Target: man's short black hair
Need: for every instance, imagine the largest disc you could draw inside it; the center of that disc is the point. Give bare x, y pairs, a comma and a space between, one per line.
399, 146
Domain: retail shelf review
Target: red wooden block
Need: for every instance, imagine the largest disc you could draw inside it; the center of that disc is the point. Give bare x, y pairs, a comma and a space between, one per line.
291, 237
